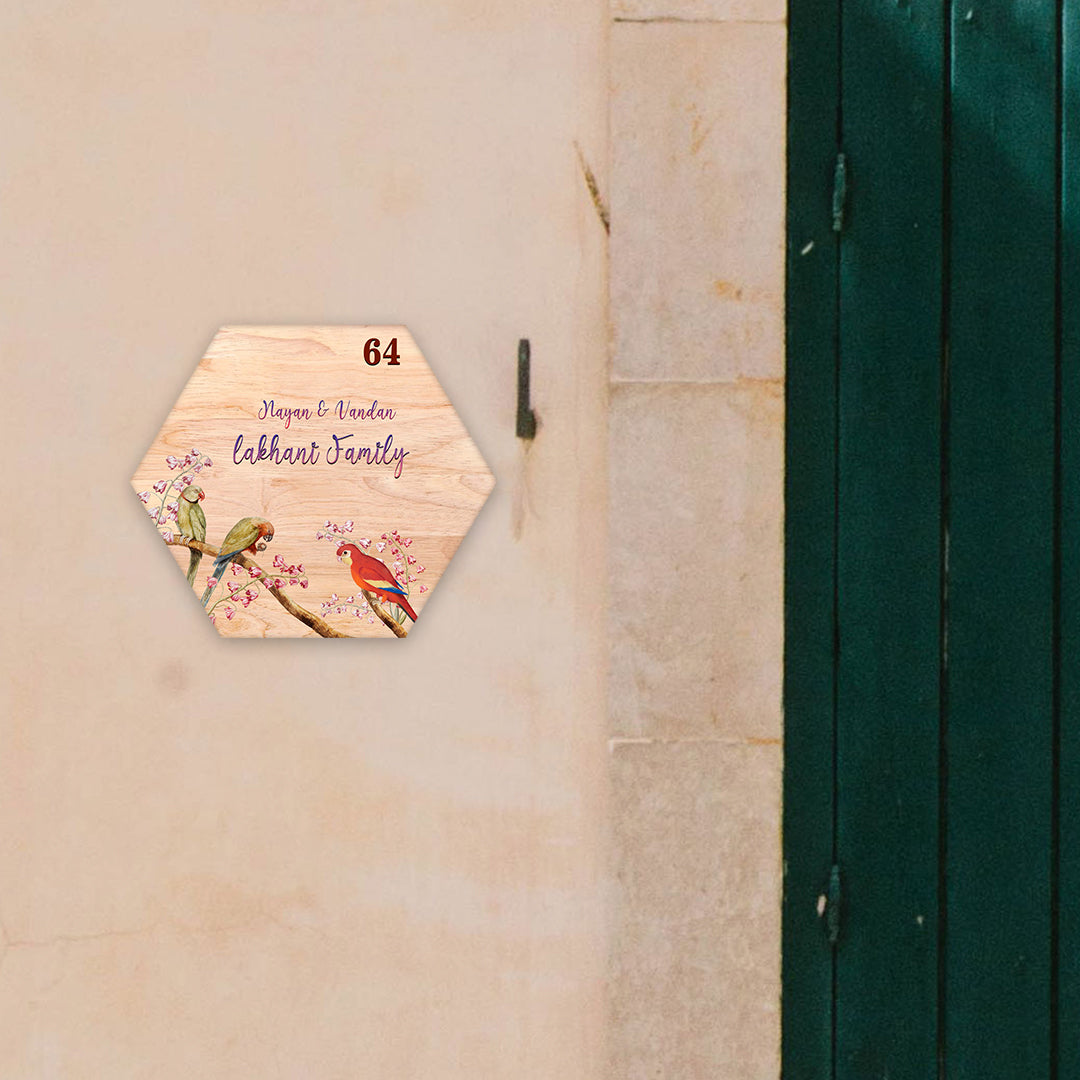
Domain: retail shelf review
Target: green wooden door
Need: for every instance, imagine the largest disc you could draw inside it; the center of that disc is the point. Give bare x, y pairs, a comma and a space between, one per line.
932, 687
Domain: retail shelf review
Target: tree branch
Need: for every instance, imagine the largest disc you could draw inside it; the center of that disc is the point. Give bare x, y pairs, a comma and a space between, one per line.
373, 603
308, 618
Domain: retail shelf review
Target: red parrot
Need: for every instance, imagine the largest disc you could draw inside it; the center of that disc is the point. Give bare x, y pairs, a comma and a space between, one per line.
375, 577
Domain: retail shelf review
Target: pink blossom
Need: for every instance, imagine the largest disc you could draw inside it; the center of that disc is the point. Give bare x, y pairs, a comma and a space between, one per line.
213, 619
279, 561
194, 452
384, 537
348, 526
144, 496
398, 567
299, 568
229, 612
412, 560
207, 463
364, 542
379, 547
278, 583
254, 571
153, 512
172, 462
211, 582
419, 569
407, 542
167, 536
303, 583
160, 486
423, 588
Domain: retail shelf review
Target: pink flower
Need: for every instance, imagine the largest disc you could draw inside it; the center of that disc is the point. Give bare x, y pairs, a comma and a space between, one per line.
419, 569
423, 588
207, 463
379, 547
279, 561
167, 536
172, 462
211, 582
229, 612
254, 571
144, 496
213, 620
407, 542
160, 486
153, 512
278, 583
303, 583
299, 568
194, 452
364, 542
398, 566
384, 537
235, 568
412, 560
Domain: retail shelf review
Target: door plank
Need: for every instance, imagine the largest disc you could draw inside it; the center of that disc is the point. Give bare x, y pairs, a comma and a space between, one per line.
890, 539
809, 706
1068, 937
1000, 681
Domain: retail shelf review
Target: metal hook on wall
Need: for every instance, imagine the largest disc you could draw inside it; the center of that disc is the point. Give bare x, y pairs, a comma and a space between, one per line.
526, 418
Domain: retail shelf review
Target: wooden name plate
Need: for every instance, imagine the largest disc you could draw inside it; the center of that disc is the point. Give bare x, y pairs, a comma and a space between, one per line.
313, 481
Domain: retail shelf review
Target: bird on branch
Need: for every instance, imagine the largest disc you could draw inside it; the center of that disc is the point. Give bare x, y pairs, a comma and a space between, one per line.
375, 577
243, 536
192, 522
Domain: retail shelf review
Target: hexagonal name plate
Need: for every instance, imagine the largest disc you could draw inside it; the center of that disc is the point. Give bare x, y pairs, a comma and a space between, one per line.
313, 481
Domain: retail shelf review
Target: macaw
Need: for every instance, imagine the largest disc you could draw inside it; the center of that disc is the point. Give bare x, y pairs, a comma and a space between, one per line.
192, 523
243, 536
372, 575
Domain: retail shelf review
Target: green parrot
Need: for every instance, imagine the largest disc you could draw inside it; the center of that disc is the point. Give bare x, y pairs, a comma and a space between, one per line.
243, 536
192, 523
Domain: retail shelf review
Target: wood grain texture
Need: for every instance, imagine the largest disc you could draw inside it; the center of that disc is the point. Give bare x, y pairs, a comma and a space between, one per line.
431, 495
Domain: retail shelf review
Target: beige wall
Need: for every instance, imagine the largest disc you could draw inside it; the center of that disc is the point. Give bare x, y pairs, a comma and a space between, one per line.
325, 860
696, 457
339, 860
